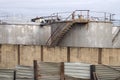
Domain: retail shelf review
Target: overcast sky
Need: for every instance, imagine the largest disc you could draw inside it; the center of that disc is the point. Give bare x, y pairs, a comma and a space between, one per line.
46, 7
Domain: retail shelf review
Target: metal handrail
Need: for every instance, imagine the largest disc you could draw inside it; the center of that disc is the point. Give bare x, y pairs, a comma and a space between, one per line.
57, 29
106, 17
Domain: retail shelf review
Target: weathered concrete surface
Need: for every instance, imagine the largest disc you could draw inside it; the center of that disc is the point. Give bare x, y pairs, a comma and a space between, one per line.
24, 34
94, 34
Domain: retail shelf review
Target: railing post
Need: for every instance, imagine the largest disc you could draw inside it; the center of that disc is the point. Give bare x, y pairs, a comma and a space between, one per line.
92, 70
15, 75
35, 70
110, 17
73, 15
105, 16
88, 14
62, 77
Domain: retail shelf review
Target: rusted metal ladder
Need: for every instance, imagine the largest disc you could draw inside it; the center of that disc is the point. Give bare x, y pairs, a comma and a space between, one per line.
60, 31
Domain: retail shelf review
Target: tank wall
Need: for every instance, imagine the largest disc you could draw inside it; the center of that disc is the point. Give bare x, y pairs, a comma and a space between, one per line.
94, 34
24, 34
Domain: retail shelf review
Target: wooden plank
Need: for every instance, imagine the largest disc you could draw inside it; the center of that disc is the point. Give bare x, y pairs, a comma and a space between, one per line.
86, 55
105, 56
68, 54
48, 71
62, 77
41, 53
28, 54
18, 54
100, 56
9, 56
35, 70
55, 54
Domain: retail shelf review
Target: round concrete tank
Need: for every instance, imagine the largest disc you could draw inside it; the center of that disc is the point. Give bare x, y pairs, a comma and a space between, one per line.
27, 34
92, 34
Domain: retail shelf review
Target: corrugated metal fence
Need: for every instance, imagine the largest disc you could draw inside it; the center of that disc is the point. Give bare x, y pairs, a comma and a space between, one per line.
48, 71
24, 73
77, 70
61, 71
6, 74
104, 72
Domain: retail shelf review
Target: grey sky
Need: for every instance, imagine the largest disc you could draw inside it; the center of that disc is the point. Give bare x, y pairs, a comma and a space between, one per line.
45, 7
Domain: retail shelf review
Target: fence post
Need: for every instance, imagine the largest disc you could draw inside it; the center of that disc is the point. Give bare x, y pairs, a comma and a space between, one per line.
62, 77
92, 70
35, 70
14, 74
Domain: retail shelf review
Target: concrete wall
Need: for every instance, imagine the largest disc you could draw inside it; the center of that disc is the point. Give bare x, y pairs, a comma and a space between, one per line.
94, 34
27, 34
12, 55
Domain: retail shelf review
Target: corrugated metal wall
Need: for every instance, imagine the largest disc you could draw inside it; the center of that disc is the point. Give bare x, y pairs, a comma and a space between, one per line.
107, 72
12, 55
48, 71
6, 74
24, 73
61, 71
77, 70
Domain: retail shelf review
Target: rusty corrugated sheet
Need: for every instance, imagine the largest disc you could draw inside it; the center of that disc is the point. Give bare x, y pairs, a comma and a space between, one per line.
108, 72
24, 73
48, 71
6, 74
77, 70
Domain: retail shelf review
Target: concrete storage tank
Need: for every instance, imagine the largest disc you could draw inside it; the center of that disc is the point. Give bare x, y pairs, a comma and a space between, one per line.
26, 34
116, 37
92, 34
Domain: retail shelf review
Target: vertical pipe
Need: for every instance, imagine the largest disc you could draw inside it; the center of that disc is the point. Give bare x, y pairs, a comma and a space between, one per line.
18, 54
35, 69
62, 71
41, 53
68, 54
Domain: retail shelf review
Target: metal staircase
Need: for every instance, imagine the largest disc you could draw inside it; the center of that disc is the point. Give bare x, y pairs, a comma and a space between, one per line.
61, 30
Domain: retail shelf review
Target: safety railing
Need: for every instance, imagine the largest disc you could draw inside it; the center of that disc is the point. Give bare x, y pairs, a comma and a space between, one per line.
62, 16
85, 14
68, 16
72, 17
